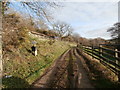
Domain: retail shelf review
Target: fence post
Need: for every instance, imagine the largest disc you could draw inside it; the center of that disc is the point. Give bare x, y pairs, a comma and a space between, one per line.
100, 51
92, 52
116, 55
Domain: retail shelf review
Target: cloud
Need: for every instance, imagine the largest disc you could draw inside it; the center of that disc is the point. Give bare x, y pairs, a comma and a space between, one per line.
85, 12
87, 16
98, 33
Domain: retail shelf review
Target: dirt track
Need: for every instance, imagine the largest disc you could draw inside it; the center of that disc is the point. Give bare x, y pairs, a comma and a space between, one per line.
67, 72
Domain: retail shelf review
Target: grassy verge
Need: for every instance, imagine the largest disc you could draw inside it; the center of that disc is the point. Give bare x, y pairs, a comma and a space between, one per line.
23, 68
101, 76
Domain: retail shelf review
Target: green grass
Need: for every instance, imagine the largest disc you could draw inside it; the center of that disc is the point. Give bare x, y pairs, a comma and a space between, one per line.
22, 65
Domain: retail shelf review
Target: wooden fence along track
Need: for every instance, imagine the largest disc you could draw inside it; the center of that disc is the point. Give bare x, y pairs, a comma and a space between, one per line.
108, 57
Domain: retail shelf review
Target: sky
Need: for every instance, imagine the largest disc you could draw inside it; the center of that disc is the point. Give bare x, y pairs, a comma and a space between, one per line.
89, 19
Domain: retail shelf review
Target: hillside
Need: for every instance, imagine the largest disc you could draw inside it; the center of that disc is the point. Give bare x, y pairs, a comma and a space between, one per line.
23, 65
20, 66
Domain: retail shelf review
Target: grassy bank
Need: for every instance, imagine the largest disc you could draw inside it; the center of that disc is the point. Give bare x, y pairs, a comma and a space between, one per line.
100, 75
22, 68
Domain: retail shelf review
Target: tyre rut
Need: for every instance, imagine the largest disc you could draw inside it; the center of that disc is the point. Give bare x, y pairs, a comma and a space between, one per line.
67, 72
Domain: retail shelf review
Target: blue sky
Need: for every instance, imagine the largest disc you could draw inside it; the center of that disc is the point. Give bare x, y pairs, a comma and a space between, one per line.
89, 19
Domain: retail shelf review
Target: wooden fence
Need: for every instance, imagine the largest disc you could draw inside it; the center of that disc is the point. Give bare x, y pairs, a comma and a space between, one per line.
107, 56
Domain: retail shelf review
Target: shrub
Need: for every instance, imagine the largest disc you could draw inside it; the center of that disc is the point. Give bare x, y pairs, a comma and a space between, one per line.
14, 32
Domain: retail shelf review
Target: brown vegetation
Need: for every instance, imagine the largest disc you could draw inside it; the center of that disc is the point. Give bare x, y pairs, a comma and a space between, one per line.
14, 32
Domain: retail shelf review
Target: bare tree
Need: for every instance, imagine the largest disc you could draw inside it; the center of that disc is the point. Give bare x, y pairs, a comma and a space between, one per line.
37, 9
63, 29
40, 9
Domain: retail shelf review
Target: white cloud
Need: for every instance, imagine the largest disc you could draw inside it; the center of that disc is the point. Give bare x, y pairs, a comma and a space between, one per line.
98, 33
86, 11
87, 16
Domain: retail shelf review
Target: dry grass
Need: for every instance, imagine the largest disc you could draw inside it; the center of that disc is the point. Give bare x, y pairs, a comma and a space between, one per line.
22, 64
100, 75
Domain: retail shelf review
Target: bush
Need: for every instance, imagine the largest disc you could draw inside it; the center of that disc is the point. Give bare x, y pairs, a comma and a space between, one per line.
14, 32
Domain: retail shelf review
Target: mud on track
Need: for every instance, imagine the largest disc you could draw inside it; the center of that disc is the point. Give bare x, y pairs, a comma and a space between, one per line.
67, 72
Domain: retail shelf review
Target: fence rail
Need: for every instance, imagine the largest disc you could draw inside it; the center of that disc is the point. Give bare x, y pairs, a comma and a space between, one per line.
108, 57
